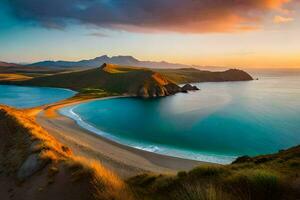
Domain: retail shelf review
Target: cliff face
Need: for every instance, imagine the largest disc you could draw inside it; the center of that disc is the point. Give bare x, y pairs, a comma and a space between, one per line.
155, 85
157, 90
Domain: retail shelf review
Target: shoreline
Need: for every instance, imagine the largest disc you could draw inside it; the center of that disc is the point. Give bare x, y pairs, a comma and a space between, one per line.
67, 111
124, 160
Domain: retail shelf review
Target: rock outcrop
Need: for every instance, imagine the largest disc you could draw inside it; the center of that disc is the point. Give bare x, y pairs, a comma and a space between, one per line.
189, 87
31, 165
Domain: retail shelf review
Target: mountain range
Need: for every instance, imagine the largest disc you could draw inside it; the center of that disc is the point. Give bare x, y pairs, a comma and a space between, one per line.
118, 60
5, 64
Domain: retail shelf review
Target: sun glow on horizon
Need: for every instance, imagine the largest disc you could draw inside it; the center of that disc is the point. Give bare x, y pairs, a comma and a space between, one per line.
264, 35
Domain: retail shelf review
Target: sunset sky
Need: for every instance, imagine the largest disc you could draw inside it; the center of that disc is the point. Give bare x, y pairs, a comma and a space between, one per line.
244, 33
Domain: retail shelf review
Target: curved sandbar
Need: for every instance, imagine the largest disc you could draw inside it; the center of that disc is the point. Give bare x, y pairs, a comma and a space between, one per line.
125, 160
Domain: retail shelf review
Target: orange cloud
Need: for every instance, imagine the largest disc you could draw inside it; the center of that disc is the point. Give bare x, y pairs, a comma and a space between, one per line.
274, 4
187, 16
281, 20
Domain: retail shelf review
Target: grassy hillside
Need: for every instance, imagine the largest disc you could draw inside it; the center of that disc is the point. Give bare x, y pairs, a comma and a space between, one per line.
134, 81
8, 70
264, 177
5, 64
13, 77
179, 75
111, 78
34, 165
192, 75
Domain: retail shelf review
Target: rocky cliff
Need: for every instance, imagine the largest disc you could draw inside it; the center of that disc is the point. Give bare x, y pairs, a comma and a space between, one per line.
133, 81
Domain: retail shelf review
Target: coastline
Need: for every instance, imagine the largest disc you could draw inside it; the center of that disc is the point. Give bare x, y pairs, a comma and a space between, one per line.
124, 160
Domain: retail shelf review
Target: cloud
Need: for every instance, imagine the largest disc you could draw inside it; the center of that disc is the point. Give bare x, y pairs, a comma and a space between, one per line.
97, 34
281, 20
185, 16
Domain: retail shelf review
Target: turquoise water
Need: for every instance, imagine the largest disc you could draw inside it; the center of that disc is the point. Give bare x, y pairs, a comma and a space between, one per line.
27, 97
216, 124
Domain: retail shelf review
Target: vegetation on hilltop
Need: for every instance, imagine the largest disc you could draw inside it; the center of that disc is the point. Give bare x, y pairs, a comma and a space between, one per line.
133, 81
13, 77
30, 71
113, 79
192, 75
176, 75
275, 176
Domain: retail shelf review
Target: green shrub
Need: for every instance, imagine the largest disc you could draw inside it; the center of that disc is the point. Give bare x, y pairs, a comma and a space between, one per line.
207, 171
182, 174
255, 184
164, 184
142, 180
294, 164
198, 191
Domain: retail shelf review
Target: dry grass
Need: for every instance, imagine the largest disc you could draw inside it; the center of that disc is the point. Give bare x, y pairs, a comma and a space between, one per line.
263, 177
188, 191
116, 69
26, 137
13, 77
160, 79
104, 183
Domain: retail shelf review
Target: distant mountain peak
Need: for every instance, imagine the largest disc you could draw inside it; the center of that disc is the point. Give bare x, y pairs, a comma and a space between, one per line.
118, 60
125, 57
102, 57
6, 64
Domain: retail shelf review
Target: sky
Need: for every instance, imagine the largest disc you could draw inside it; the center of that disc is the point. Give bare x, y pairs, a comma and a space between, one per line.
241, 33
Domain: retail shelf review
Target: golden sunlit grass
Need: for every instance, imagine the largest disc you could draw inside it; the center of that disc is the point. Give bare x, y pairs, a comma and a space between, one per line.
160, 79
21, 136
274, 176
115, 69
13, 77
104, 183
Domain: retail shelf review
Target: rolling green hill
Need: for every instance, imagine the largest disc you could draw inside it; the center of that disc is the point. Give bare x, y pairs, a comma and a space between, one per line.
133, 81
12, 68
113, 79
192, 75
275, 176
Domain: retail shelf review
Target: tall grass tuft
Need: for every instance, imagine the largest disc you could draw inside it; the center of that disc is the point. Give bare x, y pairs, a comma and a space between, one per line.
104, 184
199, 191
207, 171
255, 184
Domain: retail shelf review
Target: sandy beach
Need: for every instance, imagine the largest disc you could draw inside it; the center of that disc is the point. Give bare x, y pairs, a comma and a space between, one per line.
124, 160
